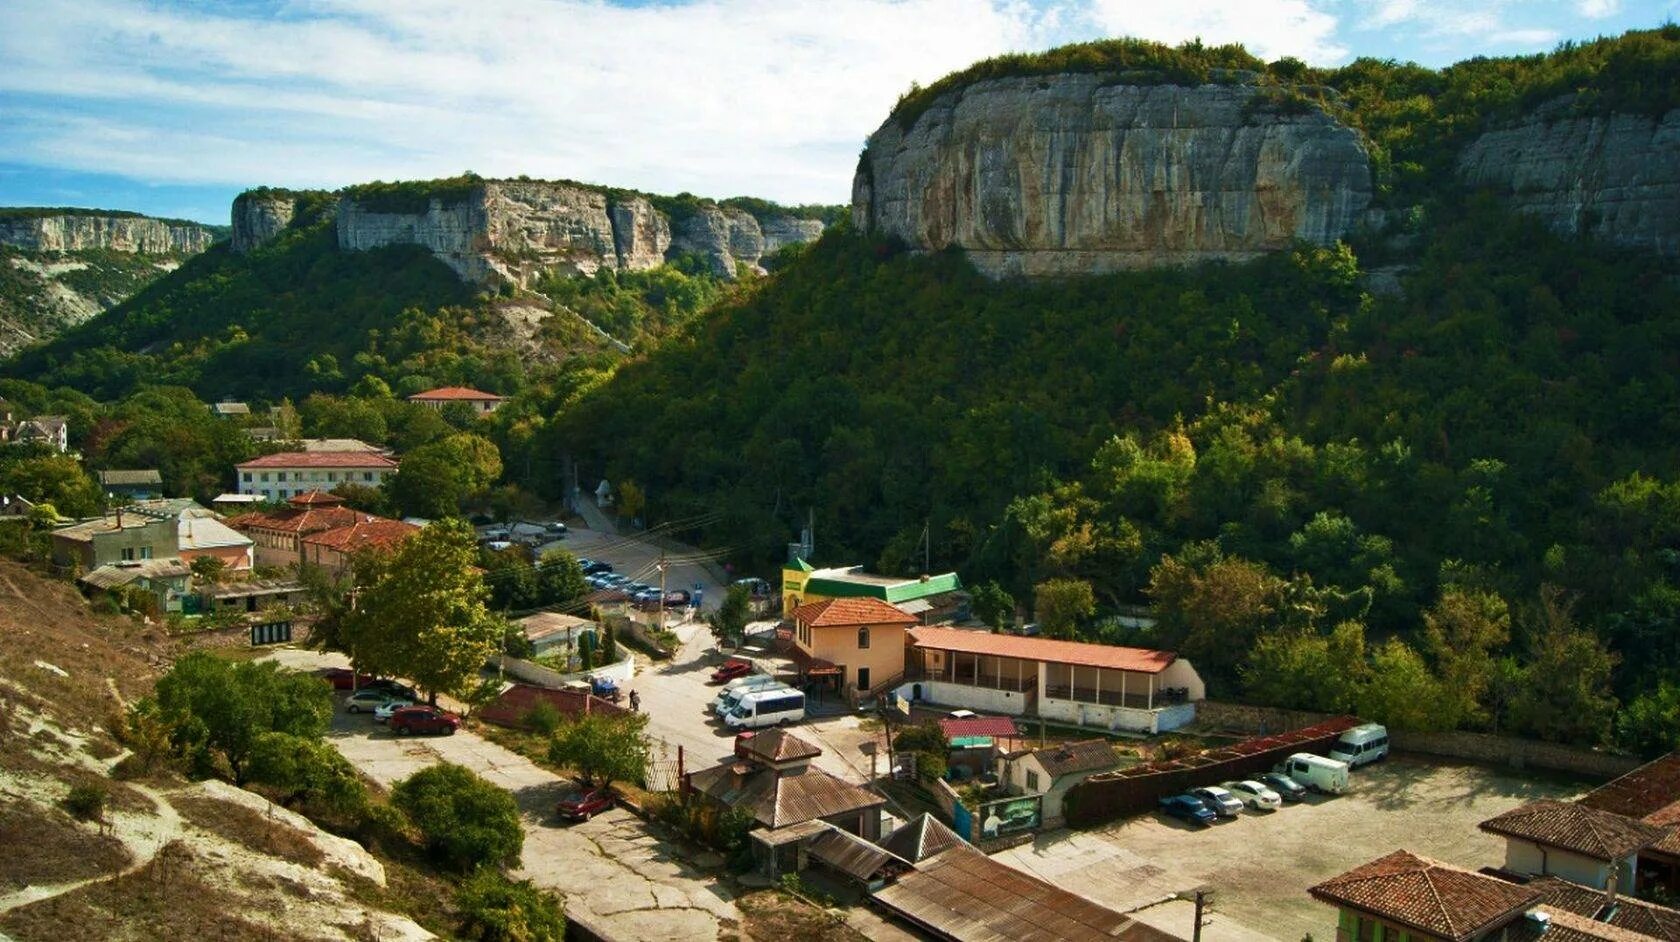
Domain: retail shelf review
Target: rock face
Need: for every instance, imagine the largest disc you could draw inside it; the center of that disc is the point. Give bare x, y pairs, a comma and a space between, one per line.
1616, 176
76, 233
259, 217
515, 230
1061, 175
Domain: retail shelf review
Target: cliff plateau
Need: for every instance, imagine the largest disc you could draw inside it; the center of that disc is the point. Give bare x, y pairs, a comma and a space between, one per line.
1073, 174
1616, 176
518, 230
77, 232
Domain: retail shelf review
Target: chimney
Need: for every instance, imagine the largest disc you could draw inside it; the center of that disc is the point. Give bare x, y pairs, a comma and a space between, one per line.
738, 775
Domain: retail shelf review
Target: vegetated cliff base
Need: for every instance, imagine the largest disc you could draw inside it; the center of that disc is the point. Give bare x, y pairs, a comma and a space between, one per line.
516, 231
1074, 174
1615, 176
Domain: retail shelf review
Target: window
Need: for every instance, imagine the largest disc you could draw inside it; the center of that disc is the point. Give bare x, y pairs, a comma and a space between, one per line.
332, 475
1032, 781
281, 476
128, 552
863, 638
1367, 930
263, 477
246, 477
367, 475
145, 552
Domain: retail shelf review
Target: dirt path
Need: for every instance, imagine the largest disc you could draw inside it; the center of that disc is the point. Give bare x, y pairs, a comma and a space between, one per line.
142, 835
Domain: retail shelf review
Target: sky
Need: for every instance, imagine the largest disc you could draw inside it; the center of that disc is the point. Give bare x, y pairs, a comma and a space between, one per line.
171, 107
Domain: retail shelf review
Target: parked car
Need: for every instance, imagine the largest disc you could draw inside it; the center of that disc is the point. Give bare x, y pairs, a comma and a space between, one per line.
424, 719
731, 669
497, 546
581, 804
382, 713
395, 688
1221, 801
616, 580
1254, 795
595, 567
1287, 788
678, 598
1316, 772
636, 588
756, 588
366, 701
343, 678
1361, 745
554, 528
493, 535
1188, 808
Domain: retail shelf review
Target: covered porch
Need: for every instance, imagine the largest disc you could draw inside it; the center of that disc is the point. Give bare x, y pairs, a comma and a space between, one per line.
973, 670
1104, 686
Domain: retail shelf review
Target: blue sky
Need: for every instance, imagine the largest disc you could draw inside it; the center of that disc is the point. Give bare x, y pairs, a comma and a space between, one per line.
171, 108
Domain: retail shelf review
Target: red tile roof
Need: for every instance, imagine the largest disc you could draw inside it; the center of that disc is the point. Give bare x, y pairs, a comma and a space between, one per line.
1652, 789
994, 726
296, 520
1601, 835
1427, 895
454, 394
368, 531
1110, 657
315, 499
851, 612
319, 459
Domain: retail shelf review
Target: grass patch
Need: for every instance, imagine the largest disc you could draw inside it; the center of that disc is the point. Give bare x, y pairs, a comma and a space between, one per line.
773, 914
59, 849
249, 828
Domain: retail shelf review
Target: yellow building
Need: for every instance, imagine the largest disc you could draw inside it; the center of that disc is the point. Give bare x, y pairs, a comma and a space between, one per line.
859, 643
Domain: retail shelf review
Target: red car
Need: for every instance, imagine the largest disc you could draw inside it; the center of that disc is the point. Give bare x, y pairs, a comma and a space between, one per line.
423, 719
731, 669
582, 803
343, 678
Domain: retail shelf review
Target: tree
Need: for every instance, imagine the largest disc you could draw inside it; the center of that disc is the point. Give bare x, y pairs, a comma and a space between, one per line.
433, 480
1305, 670
1565, 694
496, 909
465, 821
218, 709
365, 497
609, 645
420, 611
52, 478
603, 749
208, 568
1461, 631
308, 772
1060, 605
730, 620
1402, 693
631, 500
1212, 607
994, 606
1649, 727
560, 578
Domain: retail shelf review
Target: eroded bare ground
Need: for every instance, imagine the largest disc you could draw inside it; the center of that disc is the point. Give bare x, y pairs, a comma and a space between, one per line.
170, 858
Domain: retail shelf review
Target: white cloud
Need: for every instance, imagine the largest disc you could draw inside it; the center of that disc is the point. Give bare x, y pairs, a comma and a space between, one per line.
1487, 27
1270, 29
769, 97
1599, 9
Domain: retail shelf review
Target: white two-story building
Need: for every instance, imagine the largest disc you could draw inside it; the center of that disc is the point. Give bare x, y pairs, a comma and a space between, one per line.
287, 474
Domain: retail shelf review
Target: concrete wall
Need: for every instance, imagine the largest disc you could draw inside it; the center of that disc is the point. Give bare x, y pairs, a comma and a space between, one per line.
282, 483
1098, 715
1011, 702
1181, 674
1524, 857
533, 673
234, 557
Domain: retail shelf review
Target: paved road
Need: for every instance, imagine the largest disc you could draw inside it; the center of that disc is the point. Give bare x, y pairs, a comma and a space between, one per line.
639, 560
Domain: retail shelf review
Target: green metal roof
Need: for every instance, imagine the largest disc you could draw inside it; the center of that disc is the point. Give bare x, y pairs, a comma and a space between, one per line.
840, 587
800, 565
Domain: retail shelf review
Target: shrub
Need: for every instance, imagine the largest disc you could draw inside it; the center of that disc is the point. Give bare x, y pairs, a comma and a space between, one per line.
86, 801
544, 718
465, 821
496, 909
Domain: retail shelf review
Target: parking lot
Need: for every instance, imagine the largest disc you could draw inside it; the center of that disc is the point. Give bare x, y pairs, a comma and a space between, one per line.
1259, 865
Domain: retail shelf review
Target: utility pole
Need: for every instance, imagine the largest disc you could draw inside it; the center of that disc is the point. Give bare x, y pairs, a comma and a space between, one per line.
927, 547
1196, 932
662, 568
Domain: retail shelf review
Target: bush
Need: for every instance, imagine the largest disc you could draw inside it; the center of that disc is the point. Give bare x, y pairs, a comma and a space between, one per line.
86, 801
543, 718
464, 821
383, 826
308, 774
496, 909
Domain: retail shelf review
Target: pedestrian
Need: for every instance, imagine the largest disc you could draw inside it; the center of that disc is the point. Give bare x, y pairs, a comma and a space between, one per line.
635, 702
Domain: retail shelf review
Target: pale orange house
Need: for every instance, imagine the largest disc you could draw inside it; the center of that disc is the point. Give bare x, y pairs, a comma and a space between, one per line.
317, 529
332, 549
857, 642
481, 402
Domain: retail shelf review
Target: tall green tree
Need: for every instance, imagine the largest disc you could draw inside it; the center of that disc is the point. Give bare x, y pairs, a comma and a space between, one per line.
1402, 693
729, 621
994, 606
560, 578
603, 749
420, 610
1061, 605
217, 710
1462, 631
1565, 692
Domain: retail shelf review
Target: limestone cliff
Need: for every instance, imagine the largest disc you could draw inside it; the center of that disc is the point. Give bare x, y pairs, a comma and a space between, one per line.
1074, 174
258, 216
1616, 176
517, 230
35, 231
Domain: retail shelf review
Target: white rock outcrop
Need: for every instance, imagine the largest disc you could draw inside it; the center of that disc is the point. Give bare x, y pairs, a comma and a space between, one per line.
259, 217
77, 232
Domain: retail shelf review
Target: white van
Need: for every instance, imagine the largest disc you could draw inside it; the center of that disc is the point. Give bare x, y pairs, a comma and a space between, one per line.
767, 708
1361, 745
1316, 772
727, 700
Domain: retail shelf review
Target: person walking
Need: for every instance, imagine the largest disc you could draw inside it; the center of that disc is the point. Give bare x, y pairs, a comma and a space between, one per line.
635, 702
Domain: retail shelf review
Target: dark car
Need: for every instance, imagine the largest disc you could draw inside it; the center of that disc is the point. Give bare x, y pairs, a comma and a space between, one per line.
343, 678
1287, 788
555, 529
1188, 808
731, 669
581, 804
423, 719
595, 567
395, 688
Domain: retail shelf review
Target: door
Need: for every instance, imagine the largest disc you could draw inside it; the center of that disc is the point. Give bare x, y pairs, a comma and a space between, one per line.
863, 680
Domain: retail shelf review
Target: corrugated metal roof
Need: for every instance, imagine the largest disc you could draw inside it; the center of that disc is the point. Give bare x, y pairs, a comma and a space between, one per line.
921, 838
1110, 657
853, 856
962, 894
112, 575
778, 799
960, 726
148, 476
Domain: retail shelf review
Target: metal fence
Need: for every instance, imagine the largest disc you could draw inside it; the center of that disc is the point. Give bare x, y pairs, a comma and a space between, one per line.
663, 773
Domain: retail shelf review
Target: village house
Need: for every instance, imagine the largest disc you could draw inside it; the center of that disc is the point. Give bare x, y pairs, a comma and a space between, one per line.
973, 742
168, 580
200, 532
333, 550
1584, 845
1651, 794
1098, 685
772, 778
855, 644
285, 475
228, 409
52, 431
931, 599
1053, 770
550, 630
253, 595
482, 403
143, 484
119, 536
318, 529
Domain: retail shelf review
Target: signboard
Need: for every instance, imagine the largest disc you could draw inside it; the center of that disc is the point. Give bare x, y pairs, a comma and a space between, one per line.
271, 632
1009, 816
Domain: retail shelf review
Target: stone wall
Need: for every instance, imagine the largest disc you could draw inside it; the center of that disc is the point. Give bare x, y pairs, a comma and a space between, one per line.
1075, 174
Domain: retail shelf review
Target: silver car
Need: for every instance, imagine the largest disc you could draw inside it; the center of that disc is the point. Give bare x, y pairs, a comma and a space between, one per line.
1255, 796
